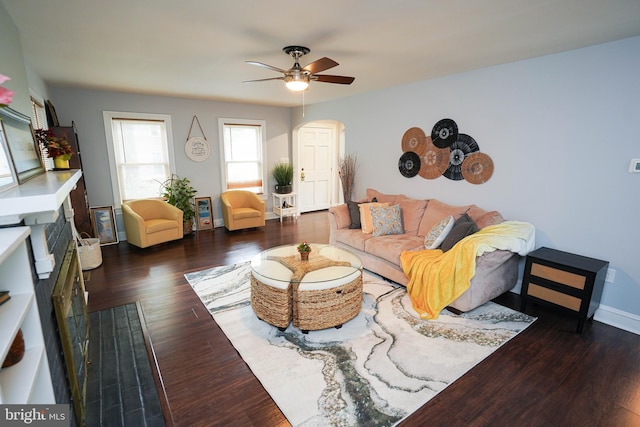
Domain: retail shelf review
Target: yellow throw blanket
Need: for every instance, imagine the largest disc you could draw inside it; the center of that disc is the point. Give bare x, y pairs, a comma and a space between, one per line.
437, 278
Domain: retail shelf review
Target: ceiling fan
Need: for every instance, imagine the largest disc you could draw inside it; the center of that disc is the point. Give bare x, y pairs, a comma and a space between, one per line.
297, 78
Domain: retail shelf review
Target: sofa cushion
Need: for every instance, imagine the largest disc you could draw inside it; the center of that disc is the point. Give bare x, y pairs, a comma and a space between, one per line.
390, 247
435, 211
412, 213
463, 227
354, 214
386, 220
365, 215
157, 225
382, 198
341, 215
490, 218
353, 238
242, 213
438, 232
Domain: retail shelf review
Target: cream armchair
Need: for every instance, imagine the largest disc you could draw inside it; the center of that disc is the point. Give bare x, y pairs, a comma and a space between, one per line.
151, 221
242, 209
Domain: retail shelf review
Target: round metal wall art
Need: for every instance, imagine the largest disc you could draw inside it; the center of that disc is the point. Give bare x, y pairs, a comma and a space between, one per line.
444, 133
445, 152
409, 164
434, 161
477, 168
462, 147
414, 140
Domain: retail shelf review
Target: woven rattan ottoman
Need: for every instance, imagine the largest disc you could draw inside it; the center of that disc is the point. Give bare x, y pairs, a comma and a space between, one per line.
323, 292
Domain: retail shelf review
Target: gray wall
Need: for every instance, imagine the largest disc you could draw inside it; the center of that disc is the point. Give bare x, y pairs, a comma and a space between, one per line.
561, 131
85, 107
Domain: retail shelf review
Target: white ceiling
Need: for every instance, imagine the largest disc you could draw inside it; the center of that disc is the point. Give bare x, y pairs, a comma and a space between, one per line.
197, 48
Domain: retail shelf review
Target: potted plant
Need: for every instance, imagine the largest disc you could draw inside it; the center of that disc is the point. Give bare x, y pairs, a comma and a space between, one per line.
283, 174
179, 192
304, 249
58, 149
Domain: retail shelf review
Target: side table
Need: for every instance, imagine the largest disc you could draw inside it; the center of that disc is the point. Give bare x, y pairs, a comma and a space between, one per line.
569, 282
285, 205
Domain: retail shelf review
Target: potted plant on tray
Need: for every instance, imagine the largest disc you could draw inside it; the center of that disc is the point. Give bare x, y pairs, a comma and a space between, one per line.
283, 174
304, 249
179, 192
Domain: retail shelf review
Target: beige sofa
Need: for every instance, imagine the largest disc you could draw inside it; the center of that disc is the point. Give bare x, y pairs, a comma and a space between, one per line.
496, 272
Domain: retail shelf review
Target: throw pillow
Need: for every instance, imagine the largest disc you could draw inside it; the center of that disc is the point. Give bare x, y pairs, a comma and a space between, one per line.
365, 216
463, 227
354, 213
438, 232
386, 220
376, 196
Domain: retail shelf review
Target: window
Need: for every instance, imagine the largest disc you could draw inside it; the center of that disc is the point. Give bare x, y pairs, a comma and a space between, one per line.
242, 154
39, 121
140, 154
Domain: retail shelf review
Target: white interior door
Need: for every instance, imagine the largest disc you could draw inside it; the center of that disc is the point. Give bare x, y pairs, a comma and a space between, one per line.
315, 163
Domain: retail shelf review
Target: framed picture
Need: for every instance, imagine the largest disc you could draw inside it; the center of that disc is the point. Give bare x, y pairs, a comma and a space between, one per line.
23, 149
203, 213
103, 223
8, 177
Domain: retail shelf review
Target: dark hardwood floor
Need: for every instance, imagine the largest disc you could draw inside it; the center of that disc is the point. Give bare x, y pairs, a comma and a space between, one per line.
546, 376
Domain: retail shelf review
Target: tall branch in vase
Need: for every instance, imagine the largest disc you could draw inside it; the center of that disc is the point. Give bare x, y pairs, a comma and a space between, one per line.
348, 166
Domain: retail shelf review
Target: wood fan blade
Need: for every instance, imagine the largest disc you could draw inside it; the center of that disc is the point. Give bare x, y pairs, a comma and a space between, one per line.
343, 80
260, 64
320, 65
263, 80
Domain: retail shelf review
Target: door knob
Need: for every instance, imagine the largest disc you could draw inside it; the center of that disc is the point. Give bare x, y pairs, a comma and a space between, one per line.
302, 175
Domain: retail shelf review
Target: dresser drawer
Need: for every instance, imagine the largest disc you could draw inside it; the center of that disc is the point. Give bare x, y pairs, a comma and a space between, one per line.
555, 297
559, 276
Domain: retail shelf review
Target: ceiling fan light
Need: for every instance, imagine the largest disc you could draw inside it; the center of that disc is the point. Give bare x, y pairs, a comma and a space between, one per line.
297, 83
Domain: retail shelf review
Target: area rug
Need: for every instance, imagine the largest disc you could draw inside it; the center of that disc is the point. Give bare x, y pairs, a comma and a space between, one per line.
376, 370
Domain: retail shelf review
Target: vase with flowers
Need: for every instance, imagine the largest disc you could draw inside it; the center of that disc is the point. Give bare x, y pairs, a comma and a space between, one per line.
304, 249
6, 95
58, 149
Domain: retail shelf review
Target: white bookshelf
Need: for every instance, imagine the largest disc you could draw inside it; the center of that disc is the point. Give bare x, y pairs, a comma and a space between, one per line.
28, 381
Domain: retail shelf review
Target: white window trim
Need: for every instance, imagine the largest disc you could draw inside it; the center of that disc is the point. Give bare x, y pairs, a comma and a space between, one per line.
263, 132
108, 116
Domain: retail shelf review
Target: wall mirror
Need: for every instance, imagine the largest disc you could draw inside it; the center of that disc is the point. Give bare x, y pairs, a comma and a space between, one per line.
8, 177
21, 141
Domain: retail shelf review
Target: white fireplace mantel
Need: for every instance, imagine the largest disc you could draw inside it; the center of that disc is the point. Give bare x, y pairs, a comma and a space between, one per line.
37, 202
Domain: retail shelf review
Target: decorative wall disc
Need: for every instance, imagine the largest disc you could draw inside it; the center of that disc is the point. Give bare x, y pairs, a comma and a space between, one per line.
434, 161
414, 140
477, 168
409, 164
444, 133
462, 147
197, 149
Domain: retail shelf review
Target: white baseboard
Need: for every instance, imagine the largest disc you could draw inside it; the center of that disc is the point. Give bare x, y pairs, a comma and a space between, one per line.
605, 314
618, 318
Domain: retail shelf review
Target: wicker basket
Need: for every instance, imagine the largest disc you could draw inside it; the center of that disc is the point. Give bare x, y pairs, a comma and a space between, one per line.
271, 304
326, 308
89, 251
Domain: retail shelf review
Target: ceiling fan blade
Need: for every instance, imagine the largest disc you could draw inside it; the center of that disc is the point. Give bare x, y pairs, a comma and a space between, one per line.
320, 65
263, 80
260, 64
343, 80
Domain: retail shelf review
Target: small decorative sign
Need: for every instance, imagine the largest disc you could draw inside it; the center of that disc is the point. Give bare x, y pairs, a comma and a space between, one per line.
197, 147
